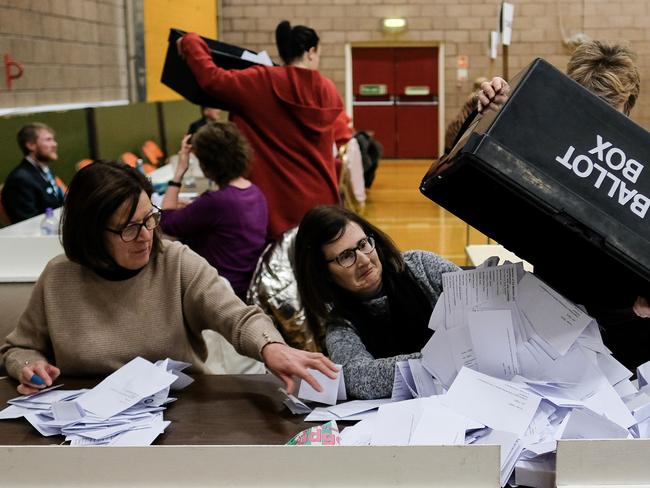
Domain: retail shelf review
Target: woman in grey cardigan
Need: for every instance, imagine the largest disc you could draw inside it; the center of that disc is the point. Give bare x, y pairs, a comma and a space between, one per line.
370, 302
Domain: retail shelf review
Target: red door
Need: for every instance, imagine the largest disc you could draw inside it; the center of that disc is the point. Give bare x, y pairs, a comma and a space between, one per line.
373, 79
396, 96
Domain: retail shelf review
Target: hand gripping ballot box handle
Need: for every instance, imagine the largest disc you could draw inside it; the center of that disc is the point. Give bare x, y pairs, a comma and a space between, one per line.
178, 76
558, 177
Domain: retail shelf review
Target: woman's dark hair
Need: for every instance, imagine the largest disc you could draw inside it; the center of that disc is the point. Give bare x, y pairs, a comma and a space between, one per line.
319, 226
94, 194
293, 42
222, 150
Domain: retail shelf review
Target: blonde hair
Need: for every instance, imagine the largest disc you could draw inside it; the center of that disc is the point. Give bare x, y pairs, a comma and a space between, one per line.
608, 70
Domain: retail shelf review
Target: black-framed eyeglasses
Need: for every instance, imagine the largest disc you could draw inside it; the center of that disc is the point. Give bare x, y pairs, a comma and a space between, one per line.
130, 232
348, 257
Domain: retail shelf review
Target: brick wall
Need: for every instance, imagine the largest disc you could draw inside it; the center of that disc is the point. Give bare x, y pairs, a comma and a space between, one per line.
72, 50
462, 25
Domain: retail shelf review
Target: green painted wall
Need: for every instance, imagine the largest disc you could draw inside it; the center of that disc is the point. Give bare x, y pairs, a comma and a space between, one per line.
178, 117
124, 129
71, 134
119, 129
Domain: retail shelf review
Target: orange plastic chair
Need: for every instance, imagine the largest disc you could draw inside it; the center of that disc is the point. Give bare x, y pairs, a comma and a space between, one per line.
60, 184
132, 160
152, 152
83, 163
129, 158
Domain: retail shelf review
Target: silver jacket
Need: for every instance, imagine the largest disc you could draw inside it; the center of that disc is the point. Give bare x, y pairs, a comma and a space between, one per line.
273, 288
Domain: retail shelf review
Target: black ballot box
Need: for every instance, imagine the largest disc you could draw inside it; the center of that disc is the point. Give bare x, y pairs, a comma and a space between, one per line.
558, 177
178, 76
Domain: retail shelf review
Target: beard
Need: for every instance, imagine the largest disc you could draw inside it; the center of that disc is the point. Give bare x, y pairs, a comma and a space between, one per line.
46, 156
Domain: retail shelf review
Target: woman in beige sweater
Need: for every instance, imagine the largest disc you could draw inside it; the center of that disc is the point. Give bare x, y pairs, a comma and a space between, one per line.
120, 292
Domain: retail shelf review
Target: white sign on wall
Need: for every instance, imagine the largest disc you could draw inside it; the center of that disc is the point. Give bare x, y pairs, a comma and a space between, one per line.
507, 14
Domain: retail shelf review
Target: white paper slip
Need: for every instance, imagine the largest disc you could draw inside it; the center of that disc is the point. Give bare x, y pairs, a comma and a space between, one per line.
14, 412
260, 58
643, 429
462, 350
576, 373
403, 383
124, 388
605, 401
538, 472
45, 396
333, 389
437, 358
394, 423
639, 406
643, 374
140, 437
176, 367
172, 365
464, 289
558, 321
540, 448
584, 424
321, 414
425, 384
108, 432
438, 425
344, 410
501, 405
77, 441
437, 319
592, 339
294, 405
38, 421
625, 388
521, 333
540, 343
493, 342
67, 411
510, 449
612, 369
359, 434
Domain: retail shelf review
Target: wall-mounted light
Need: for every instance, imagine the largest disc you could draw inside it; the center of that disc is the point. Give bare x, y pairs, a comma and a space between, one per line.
394, 25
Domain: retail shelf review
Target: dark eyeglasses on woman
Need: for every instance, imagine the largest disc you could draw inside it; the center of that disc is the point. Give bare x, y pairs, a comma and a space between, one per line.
130, 232
348, 257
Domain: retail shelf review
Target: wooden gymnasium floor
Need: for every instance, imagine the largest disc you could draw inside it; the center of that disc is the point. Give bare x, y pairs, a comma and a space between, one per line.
395, 205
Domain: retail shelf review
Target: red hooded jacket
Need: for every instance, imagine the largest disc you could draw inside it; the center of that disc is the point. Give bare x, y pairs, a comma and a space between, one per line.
287, 114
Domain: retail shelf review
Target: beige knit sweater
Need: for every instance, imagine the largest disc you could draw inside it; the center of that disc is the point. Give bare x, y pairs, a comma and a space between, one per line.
87, 325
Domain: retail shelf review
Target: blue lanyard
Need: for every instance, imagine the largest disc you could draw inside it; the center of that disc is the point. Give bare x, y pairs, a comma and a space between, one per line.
50, 179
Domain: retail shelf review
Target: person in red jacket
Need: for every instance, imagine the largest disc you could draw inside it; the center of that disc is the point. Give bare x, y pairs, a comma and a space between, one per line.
287, 113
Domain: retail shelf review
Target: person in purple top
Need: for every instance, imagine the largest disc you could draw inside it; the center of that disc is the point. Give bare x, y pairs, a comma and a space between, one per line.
226, 226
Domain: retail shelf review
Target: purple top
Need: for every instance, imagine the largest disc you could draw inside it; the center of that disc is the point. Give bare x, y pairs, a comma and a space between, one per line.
227, 227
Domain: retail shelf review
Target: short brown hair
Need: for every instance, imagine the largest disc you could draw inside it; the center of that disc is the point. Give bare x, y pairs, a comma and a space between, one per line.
319, 226
222, 150
95, 193
29, 133
609, 70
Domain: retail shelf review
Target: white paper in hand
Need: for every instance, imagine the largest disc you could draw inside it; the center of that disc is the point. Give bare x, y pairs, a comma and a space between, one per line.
333, 389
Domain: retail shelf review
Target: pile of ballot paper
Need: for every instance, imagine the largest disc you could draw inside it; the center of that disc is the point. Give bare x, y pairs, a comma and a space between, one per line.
126, 409
512, 363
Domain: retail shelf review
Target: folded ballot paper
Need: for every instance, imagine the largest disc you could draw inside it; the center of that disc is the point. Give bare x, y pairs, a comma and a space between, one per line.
513, 363
125, 409
333, 391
